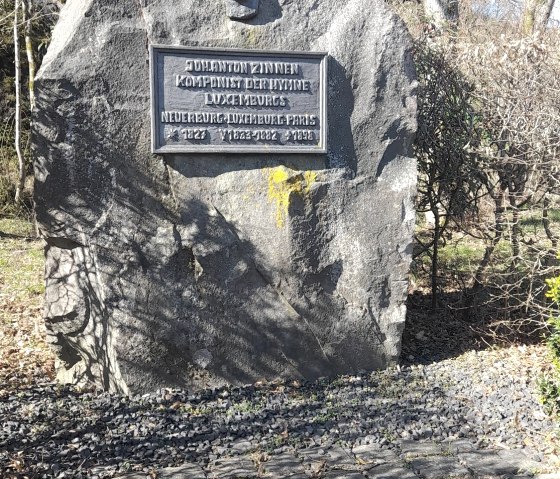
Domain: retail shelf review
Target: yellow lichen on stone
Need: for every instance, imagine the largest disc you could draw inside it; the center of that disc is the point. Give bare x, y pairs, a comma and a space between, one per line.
246, 36
282, 184
252, 37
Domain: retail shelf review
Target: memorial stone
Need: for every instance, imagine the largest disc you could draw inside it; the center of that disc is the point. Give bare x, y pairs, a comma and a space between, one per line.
226, 190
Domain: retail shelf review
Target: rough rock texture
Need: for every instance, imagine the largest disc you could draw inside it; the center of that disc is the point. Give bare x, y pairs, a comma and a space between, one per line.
242, 9
196, 270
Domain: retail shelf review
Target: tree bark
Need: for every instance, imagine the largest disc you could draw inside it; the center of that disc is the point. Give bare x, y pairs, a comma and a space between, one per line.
17, 140
528, 18
27, 6
536, 15
544, 13
435, 260
499, 226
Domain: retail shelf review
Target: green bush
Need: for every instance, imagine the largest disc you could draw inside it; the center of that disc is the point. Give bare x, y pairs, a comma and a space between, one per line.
550, 386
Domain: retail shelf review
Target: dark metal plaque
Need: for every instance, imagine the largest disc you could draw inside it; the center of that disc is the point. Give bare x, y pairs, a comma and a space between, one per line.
238, 101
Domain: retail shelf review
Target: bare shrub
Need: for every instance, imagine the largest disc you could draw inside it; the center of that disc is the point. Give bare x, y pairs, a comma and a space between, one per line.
517, 94
490, 168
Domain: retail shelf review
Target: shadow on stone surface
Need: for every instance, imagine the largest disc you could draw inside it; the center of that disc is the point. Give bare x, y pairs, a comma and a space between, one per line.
196, 270
269, 11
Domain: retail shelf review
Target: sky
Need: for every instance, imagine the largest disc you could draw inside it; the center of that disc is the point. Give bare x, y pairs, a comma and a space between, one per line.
498, 8
556, 12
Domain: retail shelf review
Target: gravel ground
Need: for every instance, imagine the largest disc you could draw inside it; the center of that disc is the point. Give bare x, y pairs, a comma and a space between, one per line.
444, 391
488, 397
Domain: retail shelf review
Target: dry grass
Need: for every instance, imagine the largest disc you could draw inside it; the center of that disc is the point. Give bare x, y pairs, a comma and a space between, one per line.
25, 358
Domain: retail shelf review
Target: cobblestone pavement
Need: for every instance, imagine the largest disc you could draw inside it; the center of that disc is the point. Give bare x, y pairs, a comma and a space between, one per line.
475, 416
408, 459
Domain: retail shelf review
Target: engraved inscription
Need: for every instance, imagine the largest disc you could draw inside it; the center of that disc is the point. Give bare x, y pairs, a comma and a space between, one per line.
208, 100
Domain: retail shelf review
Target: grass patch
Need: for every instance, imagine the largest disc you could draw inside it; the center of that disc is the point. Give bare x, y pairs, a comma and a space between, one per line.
461, 257
21, 266
17, 227
24, 354
533, 219
465, 256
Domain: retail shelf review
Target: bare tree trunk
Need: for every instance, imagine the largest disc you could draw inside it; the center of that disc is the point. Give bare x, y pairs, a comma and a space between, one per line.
550, 259
536, 15
435, 259
515, 232
528, 18
499, 225
544, 13
21, 163
546, 224
27, 6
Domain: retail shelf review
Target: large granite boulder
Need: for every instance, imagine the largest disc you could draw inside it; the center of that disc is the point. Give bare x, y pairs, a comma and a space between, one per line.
194, 270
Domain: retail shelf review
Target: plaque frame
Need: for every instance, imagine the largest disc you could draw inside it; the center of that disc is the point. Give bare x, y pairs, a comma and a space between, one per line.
321, 148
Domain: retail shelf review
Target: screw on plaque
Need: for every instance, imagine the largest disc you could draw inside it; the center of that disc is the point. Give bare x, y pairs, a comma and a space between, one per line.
242, 9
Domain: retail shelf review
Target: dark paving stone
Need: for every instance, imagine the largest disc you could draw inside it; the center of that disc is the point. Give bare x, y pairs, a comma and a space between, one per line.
439, 467
458, 445
314, 458
191, 471
342, 475
338, 455
233, 468
373, 454
284, 465
489, 463
411, 449
336, 459
519, 458
390, 471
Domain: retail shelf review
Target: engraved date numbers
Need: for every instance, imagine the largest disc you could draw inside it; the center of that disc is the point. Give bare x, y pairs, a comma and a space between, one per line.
249, 135
300, 135
196, 134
